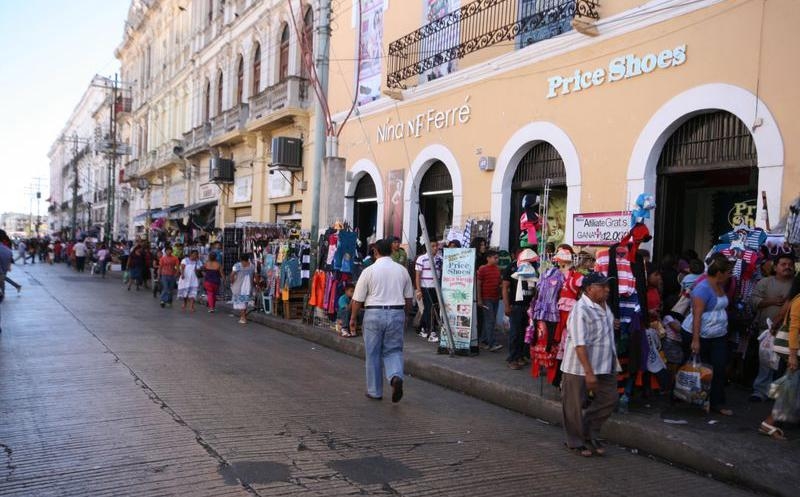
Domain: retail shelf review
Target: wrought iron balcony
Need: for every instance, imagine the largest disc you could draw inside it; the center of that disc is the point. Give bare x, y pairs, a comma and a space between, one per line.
478, 25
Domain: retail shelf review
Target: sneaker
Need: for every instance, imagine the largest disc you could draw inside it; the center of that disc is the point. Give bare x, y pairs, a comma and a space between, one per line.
495, 347
433, 337
514, 365
242, 321
423, 334
484, 346
622, 406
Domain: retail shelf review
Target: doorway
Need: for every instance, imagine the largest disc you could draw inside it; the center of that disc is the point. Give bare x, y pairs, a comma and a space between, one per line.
707, 183
436, 201
365, 211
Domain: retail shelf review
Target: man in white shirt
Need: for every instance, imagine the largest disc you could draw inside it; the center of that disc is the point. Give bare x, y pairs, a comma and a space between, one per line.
80, 256
426, 290
384, 290
589, 382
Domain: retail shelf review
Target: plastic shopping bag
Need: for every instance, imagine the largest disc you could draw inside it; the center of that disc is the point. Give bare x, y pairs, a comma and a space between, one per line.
786, 392
766, 352
126, 276
693, 383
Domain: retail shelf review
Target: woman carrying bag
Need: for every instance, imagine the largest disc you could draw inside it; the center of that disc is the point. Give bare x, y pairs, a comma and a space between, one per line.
787, 346
705, 329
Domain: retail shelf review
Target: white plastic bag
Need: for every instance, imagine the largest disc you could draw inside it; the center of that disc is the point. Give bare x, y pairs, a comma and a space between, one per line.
693, 383
766, 353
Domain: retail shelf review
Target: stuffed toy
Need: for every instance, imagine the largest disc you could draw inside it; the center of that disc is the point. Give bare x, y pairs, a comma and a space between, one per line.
645, 202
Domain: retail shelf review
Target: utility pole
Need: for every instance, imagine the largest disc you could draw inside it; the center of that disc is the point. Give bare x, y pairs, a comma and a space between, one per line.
75, 186
111, 193
320, 123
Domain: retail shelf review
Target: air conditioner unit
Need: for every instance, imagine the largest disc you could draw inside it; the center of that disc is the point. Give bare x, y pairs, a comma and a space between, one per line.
287, 153
221, 170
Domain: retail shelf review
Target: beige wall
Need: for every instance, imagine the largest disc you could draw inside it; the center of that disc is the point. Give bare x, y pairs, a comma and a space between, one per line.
725, 45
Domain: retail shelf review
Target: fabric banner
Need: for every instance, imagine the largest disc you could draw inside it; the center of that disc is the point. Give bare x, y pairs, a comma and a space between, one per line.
393, 214
458, 283
370, 50
448, 37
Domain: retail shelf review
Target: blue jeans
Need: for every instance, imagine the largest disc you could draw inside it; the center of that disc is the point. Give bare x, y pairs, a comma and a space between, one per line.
383, 344
167, 284
489, 312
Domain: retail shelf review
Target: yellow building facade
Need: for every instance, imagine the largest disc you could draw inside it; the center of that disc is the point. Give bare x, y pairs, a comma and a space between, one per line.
694, 102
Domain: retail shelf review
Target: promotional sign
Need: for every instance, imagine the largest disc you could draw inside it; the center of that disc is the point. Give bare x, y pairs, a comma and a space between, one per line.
279, 184
458, 283
369, 87
393, 214
600, 228
242, 189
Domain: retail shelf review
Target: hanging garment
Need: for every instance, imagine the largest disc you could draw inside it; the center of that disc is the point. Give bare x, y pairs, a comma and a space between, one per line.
345, 251
290, 273
546, 306
333, 239
317, 289
305, 263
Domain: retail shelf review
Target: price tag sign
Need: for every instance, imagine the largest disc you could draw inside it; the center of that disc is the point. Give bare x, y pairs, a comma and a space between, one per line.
600, 228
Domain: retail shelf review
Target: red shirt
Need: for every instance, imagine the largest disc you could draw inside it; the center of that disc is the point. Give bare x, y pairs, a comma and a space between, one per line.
168, 265
489, 276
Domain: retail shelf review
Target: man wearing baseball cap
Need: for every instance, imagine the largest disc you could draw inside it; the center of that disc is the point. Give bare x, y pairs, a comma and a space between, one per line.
589, 383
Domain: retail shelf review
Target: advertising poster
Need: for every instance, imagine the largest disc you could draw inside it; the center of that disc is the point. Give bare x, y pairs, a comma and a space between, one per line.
393, 211
449, 37
600, 228
279, 184
242, 189
557, 216
370, 50
458, 283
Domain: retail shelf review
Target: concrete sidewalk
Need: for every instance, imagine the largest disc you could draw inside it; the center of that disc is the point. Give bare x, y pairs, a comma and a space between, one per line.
727, 448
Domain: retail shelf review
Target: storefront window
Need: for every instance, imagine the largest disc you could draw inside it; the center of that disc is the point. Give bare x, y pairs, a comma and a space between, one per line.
365, 210
541, 163
707, 183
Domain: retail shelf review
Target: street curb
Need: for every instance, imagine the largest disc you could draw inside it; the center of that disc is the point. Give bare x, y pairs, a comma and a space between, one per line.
654, 440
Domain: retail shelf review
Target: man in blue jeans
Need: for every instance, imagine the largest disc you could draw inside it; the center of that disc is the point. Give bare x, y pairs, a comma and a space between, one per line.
168, 268
489, 279
385, 291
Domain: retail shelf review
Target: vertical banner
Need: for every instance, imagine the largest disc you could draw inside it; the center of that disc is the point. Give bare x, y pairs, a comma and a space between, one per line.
393, 211
370, 50
458, 283
447, 38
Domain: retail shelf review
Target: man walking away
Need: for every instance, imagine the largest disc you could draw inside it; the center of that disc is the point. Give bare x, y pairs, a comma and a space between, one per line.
589, 383
22, 252
167, 271
767, 300
80, 256
385, 291
489, 278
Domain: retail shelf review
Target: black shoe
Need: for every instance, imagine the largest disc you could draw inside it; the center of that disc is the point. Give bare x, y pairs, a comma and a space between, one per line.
370, 397
397, 388
163, 304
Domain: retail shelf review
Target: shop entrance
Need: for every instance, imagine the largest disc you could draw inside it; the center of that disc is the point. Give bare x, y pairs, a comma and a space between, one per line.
436, 201
707, 183
365, 210
541, 162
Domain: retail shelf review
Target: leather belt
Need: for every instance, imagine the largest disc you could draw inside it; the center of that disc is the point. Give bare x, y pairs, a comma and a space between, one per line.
385, 307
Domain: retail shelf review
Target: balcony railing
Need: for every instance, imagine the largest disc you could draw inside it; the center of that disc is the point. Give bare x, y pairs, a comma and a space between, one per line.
290, 93
230, 120
196, 140
478, 25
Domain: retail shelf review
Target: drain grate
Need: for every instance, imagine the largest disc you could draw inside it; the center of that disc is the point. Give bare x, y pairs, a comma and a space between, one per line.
373, 470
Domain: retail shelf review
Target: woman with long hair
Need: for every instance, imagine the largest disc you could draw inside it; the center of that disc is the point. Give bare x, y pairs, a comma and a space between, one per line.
212, 279
188, 281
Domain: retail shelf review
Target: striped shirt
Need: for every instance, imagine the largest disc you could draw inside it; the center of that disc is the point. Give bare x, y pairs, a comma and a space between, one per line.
627, 283
423, 266
592, 326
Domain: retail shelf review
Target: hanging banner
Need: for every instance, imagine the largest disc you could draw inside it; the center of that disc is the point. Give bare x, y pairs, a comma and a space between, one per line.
393, 214
458, 283
369, 51
448, 36
600, 228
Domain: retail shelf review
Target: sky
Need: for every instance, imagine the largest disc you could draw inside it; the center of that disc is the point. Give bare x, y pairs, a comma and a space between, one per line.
50, 50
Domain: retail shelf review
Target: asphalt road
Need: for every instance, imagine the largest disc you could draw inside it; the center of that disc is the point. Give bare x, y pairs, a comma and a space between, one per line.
104, 393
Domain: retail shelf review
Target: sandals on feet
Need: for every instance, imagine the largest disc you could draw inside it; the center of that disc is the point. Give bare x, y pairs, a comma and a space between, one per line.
582, 451
771, 431
598, 447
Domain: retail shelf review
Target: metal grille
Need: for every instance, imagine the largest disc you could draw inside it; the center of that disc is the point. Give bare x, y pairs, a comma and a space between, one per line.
365, 187
437, 178
717, 140
541, 162
478, 25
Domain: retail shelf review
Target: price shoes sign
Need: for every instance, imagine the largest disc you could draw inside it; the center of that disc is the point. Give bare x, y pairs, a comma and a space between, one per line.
600, 228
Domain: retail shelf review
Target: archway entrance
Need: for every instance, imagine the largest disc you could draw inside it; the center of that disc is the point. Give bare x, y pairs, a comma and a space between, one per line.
541, 162
707, 183
365, 209
436, 200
